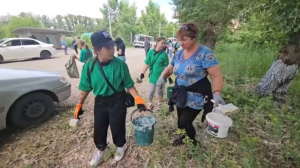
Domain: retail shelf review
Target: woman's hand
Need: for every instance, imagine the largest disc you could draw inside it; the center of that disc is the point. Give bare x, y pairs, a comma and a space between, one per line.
78, 111
218, 99
142, 76
140, 103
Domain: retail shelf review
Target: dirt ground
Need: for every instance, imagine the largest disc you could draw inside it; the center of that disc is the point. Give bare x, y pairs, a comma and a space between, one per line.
54, 143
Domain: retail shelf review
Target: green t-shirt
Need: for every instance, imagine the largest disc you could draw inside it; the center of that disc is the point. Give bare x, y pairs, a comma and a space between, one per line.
116, 71
84, 55
157, 63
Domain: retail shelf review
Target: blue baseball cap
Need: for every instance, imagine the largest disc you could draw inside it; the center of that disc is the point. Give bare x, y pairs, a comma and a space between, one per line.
101, 39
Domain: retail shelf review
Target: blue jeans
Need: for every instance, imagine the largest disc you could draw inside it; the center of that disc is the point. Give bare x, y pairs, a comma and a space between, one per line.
123, 58
170, 53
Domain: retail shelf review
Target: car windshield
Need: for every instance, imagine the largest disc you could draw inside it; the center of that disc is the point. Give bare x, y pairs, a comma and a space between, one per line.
2, 40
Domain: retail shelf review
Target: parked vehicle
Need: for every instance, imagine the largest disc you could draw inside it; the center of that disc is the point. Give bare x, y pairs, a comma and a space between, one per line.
172, 39
24, 48
27, 96
139, 40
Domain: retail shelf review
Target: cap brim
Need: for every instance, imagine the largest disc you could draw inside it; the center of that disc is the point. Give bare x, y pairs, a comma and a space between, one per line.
106, 44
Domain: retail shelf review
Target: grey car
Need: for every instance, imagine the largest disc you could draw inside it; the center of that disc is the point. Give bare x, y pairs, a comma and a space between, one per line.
27, 96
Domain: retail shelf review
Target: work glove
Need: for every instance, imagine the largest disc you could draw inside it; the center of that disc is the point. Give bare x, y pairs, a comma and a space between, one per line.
170, 81
160, 83
78, 111
140, 103
218, 99
142, 76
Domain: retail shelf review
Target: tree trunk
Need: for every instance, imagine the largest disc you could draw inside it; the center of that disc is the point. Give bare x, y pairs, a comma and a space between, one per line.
210, 36
282, 72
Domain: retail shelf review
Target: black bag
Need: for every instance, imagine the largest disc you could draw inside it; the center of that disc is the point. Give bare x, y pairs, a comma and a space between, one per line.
129, 98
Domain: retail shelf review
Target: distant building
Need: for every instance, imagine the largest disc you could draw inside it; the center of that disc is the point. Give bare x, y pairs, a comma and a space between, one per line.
45, 35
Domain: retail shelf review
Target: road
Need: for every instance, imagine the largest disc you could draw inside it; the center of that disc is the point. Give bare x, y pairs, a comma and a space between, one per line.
54, 143
134, 58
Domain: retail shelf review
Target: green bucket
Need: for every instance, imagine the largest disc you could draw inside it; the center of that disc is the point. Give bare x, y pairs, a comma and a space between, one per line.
169, 91
144, 129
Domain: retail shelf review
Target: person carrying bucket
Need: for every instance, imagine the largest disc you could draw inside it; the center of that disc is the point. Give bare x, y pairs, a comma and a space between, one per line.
107, 76
192, 91
156, 61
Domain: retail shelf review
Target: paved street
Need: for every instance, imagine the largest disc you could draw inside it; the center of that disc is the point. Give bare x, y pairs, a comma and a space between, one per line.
134, 59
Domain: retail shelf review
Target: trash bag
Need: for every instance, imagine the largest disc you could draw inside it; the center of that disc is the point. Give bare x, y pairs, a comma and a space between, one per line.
72, 68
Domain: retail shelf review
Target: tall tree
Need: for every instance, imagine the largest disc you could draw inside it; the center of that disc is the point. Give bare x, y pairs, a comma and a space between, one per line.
60, 24
282, 19
211, 16
114, 11
16, 22
4, 20
152, 19
170, 30
127, 20
78, 30
45, 21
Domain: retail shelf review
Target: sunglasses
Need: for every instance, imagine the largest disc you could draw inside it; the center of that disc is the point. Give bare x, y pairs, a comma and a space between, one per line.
188, 27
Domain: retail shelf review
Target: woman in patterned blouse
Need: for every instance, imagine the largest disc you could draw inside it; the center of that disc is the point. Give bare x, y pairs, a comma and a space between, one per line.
190, 65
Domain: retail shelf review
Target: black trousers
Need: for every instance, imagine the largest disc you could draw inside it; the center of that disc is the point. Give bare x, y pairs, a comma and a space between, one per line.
76, 48
186, 116
110, 111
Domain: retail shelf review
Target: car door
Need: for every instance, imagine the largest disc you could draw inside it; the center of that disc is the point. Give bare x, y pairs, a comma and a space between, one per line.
31, 48
12, 50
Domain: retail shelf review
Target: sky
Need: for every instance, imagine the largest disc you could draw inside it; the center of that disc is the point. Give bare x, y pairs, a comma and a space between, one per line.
78, 7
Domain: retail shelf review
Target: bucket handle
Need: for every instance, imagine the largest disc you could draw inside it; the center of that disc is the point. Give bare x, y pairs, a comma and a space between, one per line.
137, 110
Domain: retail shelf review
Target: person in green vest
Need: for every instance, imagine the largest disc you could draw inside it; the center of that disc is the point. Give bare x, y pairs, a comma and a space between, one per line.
107, 76
85, 52
156, 61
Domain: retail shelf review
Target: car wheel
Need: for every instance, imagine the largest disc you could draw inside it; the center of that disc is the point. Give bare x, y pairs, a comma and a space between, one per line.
31, 109
45, 54
1, 59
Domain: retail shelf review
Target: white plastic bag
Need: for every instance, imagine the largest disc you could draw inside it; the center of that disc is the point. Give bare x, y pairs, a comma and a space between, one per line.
72, 68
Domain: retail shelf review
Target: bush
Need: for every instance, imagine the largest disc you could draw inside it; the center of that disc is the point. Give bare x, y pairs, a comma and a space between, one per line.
265, 133
242, 61
69, 41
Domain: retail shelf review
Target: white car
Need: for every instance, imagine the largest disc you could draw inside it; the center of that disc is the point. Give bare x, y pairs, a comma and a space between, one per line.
27, 96
24, 48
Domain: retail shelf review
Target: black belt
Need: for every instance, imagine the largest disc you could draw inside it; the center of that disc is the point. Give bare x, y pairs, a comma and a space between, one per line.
113, 96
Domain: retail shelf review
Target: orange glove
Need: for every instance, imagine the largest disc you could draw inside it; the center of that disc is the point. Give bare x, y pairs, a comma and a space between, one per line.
78, 111
140, 103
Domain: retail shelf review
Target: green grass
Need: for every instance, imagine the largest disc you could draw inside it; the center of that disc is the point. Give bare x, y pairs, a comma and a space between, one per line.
265, 133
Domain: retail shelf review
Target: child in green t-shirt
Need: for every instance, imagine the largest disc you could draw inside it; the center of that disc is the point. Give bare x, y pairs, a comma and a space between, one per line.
85, 52
157, 60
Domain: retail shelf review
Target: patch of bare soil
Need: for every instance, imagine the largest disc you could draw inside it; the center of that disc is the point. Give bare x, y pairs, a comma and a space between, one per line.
56, 144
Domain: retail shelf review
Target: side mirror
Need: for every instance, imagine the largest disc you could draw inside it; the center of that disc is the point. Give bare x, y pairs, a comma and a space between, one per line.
3, 45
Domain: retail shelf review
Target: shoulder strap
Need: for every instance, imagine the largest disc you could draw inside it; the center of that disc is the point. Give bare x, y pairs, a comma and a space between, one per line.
156, 58
102, 72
